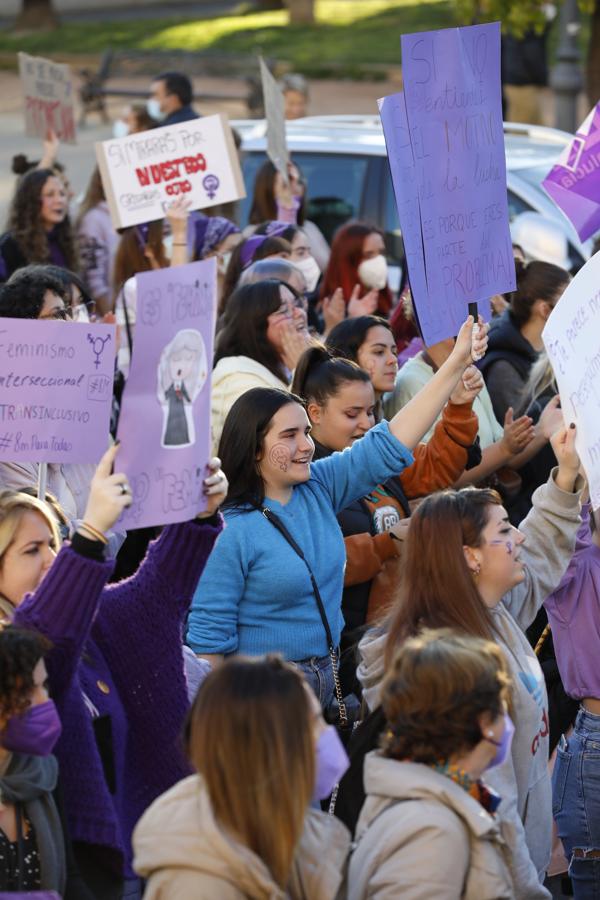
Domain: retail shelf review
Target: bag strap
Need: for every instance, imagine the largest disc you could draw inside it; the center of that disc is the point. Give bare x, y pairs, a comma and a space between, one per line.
20, 847
278, 524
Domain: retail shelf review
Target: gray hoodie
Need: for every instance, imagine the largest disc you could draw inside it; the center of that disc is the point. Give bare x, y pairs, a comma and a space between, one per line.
522, 781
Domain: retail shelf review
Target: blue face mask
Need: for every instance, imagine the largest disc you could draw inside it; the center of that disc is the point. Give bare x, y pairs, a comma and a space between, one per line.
120, 129
154, 110
504, 744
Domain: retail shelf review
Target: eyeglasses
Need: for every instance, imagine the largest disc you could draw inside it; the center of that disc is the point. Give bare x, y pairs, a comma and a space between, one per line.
63, 314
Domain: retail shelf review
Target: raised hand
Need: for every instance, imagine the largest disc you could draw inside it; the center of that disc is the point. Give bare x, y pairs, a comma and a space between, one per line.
466, 348
215, 488
109, 494
551, 419
468, 387
517, 433
334, 310
362, 306
293, 343
567, 457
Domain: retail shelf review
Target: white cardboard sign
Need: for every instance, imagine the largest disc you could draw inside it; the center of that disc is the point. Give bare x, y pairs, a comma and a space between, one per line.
143, 173
572, 341
277, 150
49, 98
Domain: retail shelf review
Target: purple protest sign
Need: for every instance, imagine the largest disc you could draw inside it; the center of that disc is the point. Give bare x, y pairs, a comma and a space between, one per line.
574, 182
454, 113
164, 427
56, 381
392, 111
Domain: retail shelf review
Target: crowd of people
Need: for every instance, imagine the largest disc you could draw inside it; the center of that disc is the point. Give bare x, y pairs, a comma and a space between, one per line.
365, 670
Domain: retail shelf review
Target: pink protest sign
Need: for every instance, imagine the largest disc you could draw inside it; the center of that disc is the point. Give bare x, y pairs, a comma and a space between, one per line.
56, 382
574, 182
164, 427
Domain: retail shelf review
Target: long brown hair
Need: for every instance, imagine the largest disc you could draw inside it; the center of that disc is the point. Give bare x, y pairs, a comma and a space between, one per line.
251, 739
264, 204
130, 257
94, 194
437, 589
26, 226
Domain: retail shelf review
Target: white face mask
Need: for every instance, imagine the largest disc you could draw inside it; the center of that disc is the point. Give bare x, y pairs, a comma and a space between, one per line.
120, 129
154, 110
310, 269
373, 273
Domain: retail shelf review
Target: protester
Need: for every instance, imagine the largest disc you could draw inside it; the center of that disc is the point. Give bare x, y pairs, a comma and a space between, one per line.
273, 200
516, 337
429, 827
38, 229
255, 595
340, 402
294, 88
98, 243
79, 305
243, 826
171, 100
467, 568
133, 119
300, 252
573, 615
505, 448
115, 669
358, 266
263, 335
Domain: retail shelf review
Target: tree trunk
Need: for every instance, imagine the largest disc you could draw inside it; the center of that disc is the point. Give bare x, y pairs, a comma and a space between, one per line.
302, 12
36, 14
593, 60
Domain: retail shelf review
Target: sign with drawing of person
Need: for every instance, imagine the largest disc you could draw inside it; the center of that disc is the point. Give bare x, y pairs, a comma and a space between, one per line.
164, 427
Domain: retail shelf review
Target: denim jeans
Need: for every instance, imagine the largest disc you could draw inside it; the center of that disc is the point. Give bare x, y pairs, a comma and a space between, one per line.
576, 803
319, 674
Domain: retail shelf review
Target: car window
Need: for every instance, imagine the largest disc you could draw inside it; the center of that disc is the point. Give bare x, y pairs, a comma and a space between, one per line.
335, 186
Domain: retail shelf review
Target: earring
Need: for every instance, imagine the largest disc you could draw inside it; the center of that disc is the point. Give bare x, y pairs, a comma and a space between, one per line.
476, 572
490, 733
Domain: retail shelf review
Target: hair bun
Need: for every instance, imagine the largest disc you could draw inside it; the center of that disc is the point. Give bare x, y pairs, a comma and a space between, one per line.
20, 164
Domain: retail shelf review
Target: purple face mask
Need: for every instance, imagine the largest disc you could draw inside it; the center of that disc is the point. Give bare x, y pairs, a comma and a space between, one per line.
332, 762
34, 732
504, 744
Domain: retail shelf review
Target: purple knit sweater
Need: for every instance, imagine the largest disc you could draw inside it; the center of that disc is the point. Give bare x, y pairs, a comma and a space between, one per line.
132, 670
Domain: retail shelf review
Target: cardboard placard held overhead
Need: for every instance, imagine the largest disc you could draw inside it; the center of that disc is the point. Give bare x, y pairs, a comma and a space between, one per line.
574, 182
453, 141
164, 426
143, 173
571, 340
277, 150
56, 386
49, 98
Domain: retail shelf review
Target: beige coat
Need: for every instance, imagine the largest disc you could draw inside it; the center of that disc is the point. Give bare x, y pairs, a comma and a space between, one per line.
421, 836
232, 377
183, 853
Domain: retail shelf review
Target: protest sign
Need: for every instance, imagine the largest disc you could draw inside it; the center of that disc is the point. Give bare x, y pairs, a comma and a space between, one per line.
56, 382
164, 426
571, 341
274, 111
392, 111
454, 114
574, 182
49, 98
143, 173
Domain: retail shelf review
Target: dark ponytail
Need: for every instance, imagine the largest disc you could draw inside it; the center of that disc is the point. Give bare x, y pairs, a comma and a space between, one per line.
536, 280
319, 375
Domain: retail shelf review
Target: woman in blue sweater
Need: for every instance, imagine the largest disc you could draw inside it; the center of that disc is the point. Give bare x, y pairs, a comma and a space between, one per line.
255, 595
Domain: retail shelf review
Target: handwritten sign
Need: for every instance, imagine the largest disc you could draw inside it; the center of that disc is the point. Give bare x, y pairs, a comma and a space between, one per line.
143, 173
277, 150
49, 98
56, 383
164, 427
571, 341
574, 182
454, 115
392, 111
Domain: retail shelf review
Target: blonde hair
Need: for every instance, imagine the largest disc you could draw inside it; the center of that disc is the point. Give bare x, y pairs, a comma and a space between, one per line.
13, 506
541, 378
250, 736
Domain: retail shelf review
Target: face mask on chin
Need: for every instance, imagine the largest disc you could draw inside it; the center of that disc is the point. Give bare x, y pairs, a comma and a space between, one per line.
373, 273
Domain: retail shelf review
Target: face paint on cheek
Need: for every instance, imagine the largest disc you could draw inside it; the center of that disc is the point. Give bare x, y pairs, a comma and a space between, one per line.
508, 544
279, 456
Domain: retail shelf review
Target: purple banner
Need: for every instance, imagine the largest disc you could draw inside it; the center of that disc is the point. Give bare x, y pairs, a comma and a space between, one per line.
574, 182
454, 114
164, 427
56, 381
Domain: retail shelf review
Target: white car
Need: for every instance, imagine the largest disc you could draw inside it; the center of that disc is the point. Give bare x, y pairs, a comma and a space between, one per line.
344, 162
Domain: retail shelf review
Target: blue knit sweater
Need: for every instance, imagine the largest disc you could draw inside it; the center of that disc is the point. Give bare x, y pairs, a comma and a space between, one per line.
255, 594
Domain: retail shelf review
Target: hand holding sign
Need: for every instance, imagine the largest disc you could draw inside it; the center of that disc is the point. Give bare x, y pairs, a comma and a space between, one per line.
215, 488
467, 347
109, 494
564, 446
